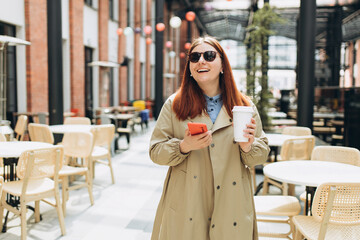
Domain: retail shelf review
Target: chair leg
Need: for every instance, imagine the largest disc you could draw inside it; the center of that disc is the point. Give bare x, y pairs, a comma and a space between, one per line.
1, 212
265, 186
65, 192
89, 185
23, 220
37, 211
60, 212
111, 169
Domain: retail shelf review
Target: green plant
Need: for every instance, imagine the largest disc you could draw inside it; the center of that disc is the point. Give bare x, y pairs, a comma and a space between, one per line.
258, 59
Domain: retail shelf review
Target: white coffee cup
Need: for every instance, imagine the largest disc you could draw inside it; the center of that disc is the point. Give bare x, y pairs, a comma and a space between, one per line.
242, 116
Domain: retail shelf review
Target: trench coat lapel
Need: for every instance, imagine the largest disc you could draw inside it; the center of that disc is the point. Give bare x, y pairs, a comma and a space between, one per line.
222, 120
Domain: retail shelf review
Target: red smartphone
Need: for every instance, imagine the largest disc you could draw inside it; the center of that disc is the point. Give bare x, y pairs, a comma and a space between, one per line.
197, 128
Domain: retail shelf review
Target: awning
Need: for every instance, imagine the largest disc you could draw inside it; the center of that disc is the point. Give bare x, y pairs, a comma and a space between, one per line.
12, 41
104, 64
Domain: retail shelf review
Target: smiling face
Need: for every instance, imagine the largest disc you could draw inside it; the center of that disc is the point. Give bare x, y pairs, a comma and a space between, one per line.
206, 74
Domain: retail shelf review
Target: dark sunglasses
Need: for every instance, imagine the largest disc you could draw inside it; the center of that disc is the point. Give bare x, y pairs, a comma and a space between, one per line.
209, 56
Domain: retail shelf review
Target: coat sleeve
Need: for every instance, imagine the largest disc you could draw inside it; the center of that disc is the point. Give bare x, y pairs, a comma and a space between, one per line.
164, 147
260, 149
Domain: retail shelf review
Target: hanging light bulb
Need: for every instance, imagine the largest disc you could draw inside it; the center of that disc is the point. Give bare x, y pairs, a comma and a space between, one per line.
175, 22
160, 27
119, 31
128, 31
187, 45
172, 54
168, 44
147, 29
182, 55
148, 41
138, 30
190, 16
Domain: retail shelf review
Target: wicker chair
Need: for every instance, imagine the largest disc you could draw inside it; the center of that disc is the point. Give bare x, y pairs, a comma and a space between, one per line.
76, 145
299, 148
336, 213
297, 131
20, 127
77, 120
103, 137
40, 133
347, 155
38, 171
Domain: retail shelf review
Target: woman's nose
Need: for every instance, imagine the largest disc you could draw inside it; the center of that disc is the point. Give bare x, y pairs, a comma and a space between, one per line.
201, 59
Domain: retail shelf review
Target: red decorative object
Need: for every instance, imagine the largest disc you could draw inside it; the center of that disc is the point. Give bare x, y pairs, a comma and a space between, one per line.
147, 29
160, 27
119, 31
190, 16
168, 44
148, 41
182, 55
187, 45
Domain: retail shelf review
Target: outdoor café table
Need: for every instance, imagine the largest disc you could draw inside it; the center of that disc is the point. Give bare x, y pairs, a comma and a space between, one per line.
277, 114
64, 128
311, 173
60, 129
10, 152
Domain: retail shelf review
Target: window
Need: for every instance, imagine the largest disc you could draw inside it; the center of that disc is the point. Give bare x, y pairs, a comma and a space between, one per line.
88, 2
11, 87
111, 9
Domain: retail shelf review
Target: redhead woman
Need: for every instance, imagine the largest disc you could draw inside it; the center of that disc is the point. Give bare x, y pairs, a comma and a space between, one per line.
207, 191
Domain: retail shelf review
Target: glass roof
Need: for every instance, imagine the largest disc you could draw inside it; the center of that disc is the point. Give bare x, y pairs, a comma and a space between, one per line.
229, 19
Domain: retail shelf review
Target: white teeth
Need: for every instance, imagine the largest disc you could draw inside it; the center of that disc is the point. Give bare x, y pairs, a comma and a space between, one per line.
203, 70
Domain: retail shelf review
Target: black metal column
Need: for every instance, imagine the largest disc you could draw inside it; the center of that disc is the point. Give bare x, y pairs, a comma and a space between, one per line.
55, 74
159, 41
306, 59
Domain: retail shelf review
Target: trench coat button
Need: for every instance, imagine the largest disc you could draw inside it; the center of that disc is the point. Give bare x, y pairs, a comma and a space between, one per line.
212, 145
234, 141
209, 219
195, 177
230, 120
218, 187
213, 226
234, 183
190, 219
234, 224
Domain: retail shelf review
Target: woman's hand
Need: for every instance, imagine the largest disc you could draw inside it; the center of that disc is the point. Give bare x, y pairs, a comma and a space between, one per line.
195, 142
249, 133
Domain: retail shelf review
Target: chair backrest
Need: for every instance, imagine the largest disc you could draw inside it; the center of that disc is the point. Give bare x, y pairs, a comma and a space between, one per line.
40, 163
78, 144
299, 148
347, 155
345, 206
103, 135
1, 184
2, 138
297, 131
77, 120
40, 133
40, 118
20, 127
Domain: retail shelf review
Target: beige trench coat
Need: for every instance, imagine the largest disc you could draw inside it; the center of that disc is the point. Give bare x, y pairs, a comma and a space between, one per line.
207, 193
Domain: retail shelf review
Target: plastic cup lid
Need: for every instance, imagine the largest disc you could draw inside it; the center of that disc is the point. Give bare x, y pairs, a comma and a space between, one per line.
243, 109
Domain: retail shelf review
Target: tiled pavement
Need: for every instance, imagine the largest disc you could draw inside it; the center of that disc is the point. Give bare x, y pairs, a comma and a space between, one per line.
124, 210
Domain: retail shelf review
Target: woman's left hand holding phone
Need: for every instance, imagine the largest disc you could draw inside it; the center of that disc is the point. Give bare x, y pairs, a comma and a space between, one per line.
195, 142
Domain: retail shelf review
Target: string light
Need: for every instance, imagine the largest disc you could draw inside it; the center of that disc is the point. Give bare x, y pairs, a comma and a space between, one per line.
190, 16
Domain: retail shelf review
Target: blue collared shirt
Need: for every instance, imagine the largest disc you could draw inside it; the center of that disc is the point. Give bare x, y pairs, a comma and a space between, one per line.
213, 106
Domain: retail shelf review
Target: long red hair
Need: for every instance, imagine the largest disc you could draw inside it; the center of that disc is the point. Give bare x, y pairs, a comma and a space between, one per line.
190, 101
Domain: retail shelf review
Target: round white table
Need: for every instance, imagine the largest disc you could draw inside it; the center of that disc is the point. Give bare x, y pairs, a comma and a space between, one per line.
64, 128
311, 173
277, 139
14, 149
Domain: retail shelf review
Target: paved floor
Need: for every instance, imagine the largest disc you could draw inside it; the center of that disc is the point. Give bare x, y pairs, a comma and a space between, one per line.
124, 210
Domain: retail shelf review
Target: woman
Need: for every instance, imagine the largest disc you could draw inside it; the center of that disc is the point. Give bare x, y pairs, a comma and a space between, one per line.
207, 192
